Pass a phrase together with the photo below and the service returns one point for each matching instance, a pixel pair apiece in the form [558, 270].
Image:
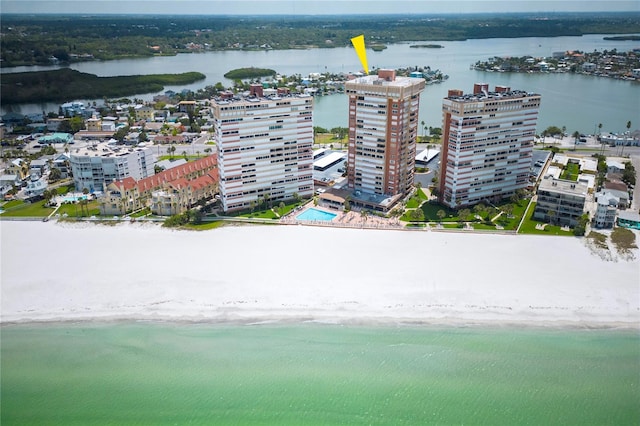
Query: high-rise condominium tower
[264, 147]
[383, 126]
[487, 144]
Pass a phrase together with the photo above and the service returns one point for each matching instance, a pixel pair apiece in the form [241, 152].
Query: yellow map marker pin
[358, 44]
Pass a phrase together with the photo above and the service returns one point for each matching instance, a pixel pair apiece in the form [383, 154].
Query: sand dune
[54, 271]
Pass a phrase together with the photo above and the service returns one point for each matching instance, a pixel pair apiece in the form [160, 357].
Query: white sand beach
[53, 272]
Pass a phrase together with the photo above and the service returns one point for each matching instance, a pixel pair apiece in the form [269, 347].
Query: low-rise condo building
[184, 186]
[560, 201]
[97, 164]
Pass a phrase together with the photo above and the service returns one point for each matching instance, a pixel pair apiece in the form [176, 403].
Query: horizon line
[554, 12]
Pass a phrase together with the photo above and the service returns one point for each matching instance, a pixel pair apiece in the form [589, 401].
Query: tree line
[36, 39]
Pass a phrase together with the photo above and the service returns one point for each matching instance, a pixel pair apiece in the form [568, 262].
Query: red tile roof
[176, 175]
[126, 184]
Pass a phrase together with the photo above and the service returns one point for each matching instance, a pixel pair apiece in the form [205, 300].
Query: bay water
[579, 102]
[312, 374]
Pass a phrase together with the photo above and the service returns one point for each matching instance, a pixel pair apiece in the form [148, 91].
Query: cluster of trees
[190, 216]
[65, 83]
[29, 40]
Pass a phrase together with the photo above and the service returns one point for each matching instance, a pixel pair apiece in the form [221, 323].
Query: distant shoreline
[138, 35]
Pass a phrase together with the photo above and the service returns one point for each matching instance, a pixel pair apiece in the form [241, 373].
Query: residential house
[38, 167]
[629, 219]
[18, 167]
[615, 167]
[36, 186]
[61, 162]
[621, 197]
[187, 106]
[606, 209]
[144, 112]
[94, 124]
[72, 109]
[7, 182]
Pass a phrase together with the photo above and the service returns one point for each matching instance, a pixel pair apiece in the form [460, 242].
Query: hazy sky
[310, 7]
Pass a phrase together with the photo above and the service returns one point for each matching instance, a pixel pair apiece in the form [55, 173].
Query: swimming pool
[73, 198]
[315, 214]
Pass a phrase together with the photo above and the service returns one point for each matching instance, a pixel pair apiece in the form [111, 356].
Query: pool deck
[350, 219]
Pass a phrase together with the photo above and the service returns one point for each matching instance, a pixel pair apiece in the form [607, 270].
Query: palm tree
[441, 214]
[575, 135]
[464, 214]
[552, 215]
[48, 195]
[628, 135]
[601, 143]
[423, 128]
[480, 209]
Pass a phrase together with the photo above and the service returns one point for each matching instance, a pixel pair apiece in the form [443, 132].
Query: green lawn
[288, 207]
[143, 212]
[12, 203]
[570, 172]
[76, 210]
[21, 209]
[417, 199]
[529, 226]
[413, 202]
[62, 190]
[511, 223]
[457, 225]
[483, 226]
[430, 210]
[262, 214]
[269, 213]
[203, 226]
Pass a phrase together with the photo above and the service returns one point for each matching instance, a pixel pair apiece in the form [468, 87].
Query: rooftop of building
[549, 183]
[500, 93]
[174, 175]
[629, 215]
[252, 100]
[378, 81]
[103, 149]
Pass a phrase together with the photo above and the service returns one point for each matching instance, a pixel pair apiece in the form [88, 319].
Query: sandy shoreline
[253, 274]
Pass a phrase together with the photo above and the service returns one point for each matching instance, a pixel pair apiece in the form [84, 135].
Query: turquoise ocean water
[311, 374]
